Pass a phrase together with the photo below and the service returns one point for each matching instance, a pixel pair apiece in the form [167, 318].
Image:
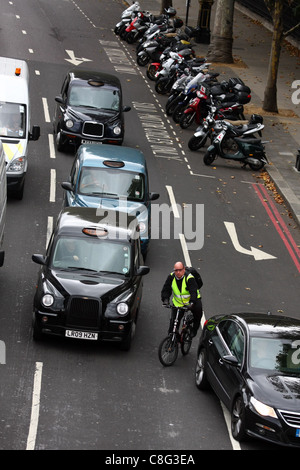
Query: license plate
[81, 334]
[83, 141]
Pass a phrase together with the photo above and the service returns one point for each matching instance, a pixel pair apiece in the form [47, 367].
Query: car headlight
[117, 130]
[262, 409]
[69, 123]
[48, 300]
[17, 164]
[122, 308]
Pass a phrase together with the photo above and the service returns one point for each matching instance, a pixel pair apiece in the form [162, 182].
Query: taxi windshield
[111, 183]
[12, 120]
[282, 355]
[91, 253]
[94, 97]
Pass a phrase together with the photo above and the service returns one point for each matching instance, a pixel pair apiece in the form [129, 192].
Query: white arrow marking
[75, 60]
[258, 254]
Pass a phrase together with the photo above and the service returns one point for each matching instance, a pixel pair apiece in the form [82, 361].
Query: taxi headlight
[69, 123]
[122, 308]
[142, 227]
[48, 300]
[17, 164]
[262, 409]
[117, 130]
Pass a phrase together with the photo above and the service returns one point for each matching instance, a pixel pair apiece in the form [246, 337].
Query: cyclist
[182, 285]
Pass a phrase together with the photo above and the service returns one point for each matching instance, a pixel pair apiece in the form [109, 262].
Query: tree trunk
[270, 96]
[220, 48]
[165, 4]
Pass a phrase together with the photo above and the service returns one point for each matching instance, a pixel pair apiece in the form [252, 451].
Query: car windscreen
[91, 253]
[105, 182]
[282, 355]
[12, 120]
[94, 97]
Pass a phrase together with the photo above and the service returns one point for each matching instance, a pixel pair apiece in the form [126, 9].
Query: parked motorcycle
[232, 144]
[127, 16]
[211, 126]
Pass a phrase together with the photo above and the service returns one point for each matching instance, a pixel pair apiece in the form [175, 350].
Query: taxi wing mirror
[35, 133]
[126, 108]
[39, 259]
[142, 270]
[59, 99]
[67, 186]
[153, 196]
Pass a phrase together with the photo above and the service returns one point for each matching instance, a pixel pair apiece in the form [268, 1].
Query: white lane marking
[51, 146]
[255, 252]
[52, 185]
[46, 109]
[173, 202]
[35, 406]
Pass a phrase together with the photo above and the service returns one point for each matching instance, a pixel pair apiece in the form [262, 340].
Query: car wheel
[37, 331]
[125, 344]
[59, 143]
[200, 371]
[238, 427]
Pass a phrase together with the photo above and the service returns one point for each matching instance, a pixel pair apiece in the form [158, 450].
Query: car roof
[267, 324]
[72, 220]
[85, 75]
[106, 156]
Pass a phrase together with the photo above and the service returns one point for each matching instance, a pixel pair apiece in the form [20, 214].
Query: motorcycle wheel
[186, 120]
[151, 71]
[130, 38]
[196, 143]
[256, 166]
[143, 59]
[171, 105]
[209, 158]
[161, 86]
[178, 111]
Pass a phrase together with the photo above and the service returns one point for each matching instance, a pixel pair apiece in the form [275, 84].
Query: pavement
[251, 50]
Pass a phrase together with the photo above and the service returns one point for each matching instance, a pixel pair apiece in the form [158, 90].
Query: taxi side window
[234, 338]
[65, 88]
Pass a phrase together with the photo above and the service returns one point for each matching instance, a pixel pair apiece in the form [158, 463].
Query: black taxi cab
[91, 277]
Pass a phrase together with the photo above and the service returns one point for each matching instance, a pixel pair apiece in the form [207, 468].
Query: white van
[2, 200]
[15, 121]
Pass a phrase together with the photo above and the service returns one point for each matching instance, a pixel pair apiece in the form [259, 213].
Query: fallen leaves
[271, 186]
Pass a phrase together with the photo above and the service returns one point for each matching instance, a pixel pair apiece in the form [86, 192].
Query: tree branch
[291, 30]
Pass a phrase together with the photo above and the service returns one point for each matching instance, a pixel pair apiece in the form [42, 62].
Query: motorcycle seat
[248, 140]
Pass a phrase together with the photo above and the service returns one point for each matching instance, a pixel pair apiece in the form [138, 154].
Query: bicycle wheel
[168, 351]
[186, 341]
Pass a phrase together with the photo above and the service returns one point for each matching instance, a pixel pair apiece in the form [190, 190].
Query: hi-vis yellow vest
[182, 298]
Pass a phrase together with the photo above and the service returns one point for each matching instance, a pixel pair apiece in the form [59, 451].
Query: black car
[89, 109]
[90, 283]
[252, 362]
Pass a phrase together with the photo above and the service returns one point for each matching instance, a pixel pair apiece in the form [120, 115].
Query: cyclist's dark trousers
[197, 312]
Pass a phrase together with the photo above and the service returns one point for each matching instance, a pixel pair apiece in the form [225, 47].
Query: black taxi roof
[118, 225]
[94, 75]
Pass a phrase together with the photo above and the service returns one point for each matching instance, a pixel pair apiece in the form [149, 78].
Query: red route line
[277, 220]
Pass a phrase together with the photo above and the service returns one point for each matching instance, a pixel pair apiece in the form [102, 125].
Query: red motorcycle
[198, 107]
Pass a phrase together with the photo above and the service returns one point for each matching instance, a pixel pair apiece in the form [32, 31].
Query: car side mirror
[59, 99]
[67, 186]
[39, 259]
[142, 270]
[2, 254]
[35, 133]
[126, 108]
[153, 196]
[231, 360]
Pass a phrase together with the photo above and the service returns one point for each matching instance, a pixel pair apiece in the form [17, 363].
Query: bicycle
[168, 348]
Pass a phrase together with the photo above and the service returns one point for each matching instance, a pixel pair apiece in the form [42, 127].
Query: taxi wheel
[126, 343]
[59, 144]
[37, 331]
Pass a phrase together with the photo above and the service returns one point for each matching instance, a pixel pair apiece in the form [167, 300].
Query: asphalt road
[70, 395]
